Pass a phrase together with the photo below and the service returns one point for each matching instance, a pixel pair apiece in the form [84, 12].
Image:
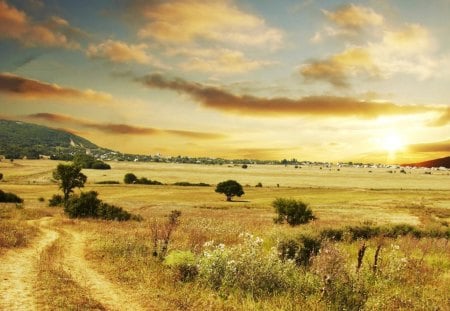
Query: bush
[8, 197]
[188, 184]
[1, 176]
[300, 250]
[244, 166]
[145, 181]
[56, 200]
[130, 178]
[100, 165]
[41, 199]
[108, 182]
[184, 262]
[246, 267]
[259, 185]
[87, 205]
[292, 211]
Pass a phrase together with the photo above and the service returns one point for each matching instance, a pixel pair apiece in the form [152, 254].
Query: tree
[69, 177]
[130, 178]
[292, 211]
[230, 188]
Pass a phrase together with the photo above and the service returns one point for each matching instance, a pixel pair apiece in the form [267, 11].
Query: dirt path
[101, 289]
[18, 270]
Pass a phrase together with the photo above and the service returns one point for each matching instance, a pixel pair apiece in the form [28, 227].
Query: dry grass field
[76, 264]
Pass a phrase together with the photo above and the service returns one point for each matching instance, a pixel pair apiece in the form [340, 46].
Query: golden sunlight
[392, 142]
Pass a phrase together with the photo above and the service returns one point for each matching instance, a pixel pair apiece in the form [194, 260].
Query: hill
[21, 139]
[441, 162]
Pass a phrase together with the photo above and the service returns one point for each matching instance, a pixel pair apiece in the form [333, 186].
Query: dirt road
[18, 272]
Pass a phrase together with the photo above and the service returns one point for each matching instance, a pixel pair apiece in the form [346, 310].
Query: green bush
[100, 165]
[8, 197]
[56, 200]
[299, 249]
[184, 263]
[108, 182]
[188, 184]
[88, 161]
[130, 178]
[292, 211]
[145, 181]
[248, 268]
[87, 205]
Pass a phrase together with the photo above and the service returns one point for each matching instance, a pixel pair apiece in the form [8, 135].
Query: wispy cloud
[120, 129]
[220, 61]
[223, 100]
[439, 146]
[185, 21]
[354, 17]
[33, 89]
[121, 52]
[17, 25]
[338, 68]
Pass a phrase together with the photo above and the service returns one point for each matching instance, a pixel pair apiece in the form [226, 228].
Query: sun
[392, 142]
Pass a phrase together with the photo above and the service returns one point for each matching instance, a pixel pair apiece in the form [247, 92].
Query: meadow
[392, 252]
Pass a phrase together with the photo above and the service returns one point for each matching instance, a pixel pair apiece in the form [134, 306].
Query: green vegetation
[87, 205]
[188, 184]
[230, 188]
[130, 178]
[20, 139]
[8, 197]
[294, 212]
[56, 200]
[69, 177]
[108, 182]
[89, 162]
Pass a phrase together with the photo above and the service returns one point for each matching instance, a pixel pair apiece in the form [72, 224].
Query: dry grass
[122, 251]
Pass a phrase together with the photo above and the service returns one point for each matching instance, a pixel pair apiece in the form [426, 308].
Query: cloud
[440, 146]
[355, 18]
[219, 99]
[339, 67]
[120, 129]
[184, 21]
[33, 89]
[221, 61]
[120, 52]
[443, 119]
[17, 25]
[404, 50]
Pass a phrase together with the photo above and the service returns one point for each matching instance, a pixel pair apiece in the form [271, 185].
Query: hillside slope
[19, 139]
[441, 162]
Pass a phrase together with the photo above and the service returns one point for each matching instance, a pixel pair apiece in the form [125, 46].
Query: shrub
[300, 250]
[184, 263]
[145, 181]
[259, 185]
[364, 232]
[188, 184]
[100, 165]
[244, 166]
[108, 182]
[87, 205]
[332, 234]
[246, 267]
[41, 199]
[130, 178]
[56, 200]
[8, 197]
[292, 211]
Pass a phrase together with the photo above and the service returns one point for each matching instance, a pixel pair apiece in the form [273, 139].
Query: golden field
[124, 276]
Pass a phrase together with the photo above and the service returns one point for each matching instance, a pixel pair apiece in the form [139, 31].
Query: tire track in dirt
[18, 270]
[108, 294]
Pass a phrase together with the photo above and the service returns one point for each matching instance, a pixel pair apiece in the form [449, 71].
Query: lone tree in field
[292, 211]
[69, 177]
[130, 178]
[230, 188]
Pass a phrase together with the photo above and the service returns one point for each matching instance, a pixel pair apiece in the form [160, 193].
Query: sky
[313, 80]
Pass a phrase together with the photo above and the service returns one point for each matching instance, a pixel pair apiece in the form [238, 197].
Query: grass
[412, 273]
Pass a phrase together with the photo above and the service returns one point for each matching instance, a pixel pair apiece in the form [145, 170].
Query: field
[398, 221]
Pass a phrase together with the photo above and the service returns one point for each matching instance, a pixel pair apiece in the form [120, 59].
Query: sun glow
[392, 142]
